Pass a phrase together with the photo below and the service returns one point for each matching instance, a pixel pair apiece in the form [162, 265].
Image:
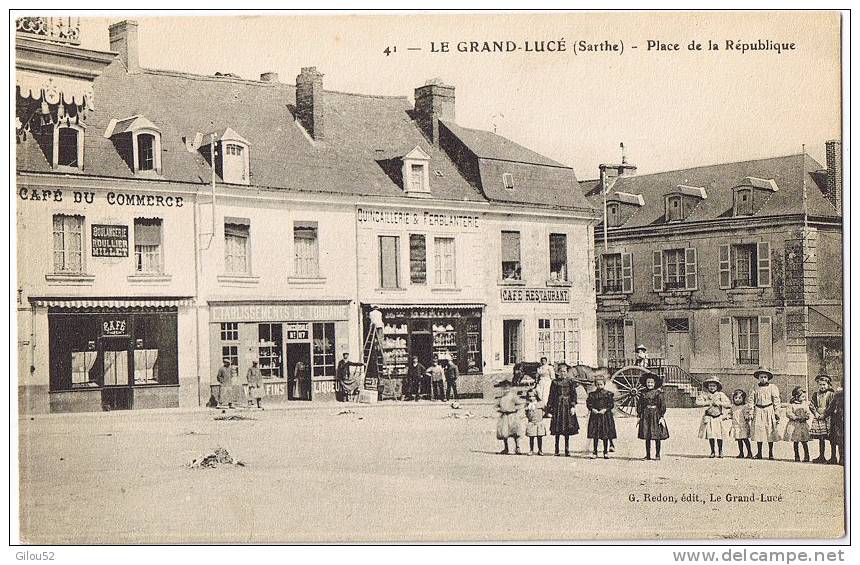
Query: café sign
[541, 295]
[109, 241]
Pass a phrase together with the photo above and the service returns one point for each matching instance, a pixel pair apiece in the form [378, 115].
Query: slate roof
[364, 136]
[788, 172]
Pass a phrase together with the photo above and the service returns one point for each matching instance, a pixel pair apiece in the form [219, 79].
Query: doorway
[299, 371]
[678, 342]
[422, 345]
[116, 391]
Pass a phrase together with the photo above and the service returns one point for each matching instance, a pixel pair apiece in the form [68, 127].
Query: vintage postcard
[428, 277]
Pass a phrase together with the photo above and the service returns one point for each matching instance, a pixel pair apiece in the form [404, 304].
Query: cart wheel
[626, 380]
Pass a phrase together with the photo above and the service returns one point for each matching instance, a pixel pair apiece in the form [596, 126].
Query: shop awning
[65, 302]
[53, 89]
[434, 306]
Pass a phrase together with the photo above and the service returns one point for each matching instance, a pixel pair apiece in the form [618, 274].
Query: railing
[63, 30]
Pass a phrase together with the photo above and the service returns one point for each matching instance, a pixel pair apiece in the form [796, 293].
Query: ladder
[371, 345]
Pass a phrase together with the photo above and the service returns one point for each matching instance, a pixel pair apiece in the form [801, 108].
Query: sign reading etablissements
[547, 295]
[110, 241]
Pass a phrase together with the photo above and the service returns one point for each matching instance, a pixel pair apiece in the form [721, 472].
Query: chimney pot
[269, 77]
[123, 41]
[309, 101]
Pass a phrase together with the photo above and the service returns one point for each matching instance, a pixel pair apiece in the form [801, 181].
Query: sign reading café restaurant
[546, 295]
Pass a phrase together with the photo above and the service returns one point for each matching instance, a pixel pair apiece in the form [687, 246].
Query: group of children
[745, 418]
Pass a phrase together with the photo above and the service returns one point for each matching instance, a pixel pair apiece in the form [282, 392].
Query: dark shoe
[770, 457]
[606, 456]
[806, 458]
[739, 456]
[819, 459]
[657, 458]
[566, 453]
[593, 455]
[797, 458]
[540, 452]
[757, 456]
[647, 458]
[504, 452]
[712, 455]
[832, 461]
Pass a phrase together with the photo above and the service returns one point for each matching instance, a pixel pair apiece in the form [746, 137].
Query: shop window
[82, 369]
[68, 243]
[558, 340]
[145, 366]
[389, 261]
[147, 245]
[68, 146]
[230, 331]
[544, 338]
[155, 349]
[745, 265]
[444, 260]
[324, 357]
[306, 241]
[615, 342]
[473, 345]
[511, 266]
[511, 337]
[748, 342]
[231, 353]
[236, 247]
[558, 256]
[417, 258]
[269, 350]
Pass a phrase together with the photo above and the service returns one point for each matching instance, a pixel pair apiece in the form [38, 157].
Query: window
[615, 342]
[674, 269]
[236, 247]
[147, 245]
[743, 203]
[613, 215]
[558, 256]
[511, 337]
[612, 273]
[511, 268]
[674, 208]
[234, 163]
[230, 351]
[270, 338]
[389, 260]
[677, 324]
[145, 366]
[145, 152]
[508, 181]
[323, 361]
[748, 343]
[416, 178]
[306, 245]
[115, 366]
[558, 339]
[82, 368]
[230, 331]
[68, 146]
[473, 345]
[417, 258]
[744, 266]
[68, 244]
[444, 260]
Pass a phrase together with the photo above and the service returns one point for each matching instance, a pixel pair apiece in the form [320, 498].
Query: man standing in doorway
[437, 379]
[451, 374]
[414, 375]
[225, 379]
[348, 383]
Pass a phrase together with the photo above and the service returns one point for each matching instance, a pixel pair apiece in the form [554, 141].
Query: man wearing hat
[225, 379]
[764, 401]
[641, 356]
[820, 427]
[255, 384]
[716, 423]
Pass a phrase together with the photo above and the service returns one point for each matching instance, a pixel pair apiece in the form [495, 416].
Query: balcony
[61, 30]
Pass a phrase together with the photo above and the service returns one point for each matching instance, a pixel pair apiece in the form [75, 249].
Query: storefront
[104, 355]
[446, 331]
[297, 344]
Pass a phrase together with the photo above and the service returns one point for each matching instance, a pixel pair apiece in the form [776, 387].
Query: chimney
[433, 102]
[834, 173]
[309, 101]
[269, 77]
[123, 40]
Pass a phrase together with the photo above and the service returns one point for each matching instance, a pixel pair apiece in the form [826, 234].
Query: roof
[488, 145]
[365, 138]
[789, 173]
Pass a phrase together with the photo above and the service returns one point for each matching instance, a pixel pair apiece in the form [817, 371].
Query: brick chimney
[433, 102]
[309, 101]
[123, 40]
[834, 173]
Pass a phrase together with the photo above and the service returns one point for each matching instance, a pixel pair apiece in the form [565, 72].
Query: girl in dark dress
[651, 408]
[601, 423]
[561, 407]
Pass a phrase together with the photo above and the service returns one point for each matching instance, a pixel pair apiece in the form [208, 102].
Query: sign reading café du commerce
[544, 295]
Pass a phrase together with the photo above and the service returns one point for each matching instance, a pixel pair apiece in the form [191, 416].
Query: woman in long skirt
[561, 407]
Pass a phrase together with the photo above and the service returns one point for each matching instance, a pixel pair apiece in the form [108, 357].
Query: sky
[671, 109]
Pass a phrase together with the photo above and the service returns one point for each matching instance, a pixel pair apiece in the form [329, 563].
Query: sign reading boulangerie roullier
[110, 241]
[535, 295]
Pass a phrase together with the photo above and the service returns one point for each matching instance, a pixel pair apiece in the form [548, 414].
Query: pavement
[396, 472]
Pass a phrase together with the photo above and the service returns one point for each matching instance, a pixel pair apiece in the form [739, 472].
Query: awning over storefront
[471, 306]
[66, 302]
[55, 88]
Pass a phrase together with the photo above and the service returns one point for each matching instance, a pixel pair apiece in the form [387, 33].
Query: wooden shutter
[763, 263]
[597, 274]
[626, 272]
[657, 270]
[725, 266]
[691, 270]
[727, 350]
[765, 341]
[629, 339]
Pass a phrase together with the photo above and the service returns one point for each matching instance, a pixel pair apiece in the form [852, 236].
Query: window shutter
[727, 350]
[725, 267]
[597, 274]
[627, 272]
[691, 271]
[763, 263]
[765, 341]
[657, 270]
[629, 339]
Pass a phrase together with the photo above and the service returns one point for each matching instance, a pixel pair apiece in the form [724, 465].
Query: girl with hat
[651, 409]
[741, 416]
[561, 407]
[716, 423]
[510, 424]
[820, 426]
[601, 423]
[764, 401]
[797, 428]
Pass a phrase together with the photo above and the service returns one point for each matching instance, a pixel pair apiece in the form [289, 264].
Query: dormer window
[674, 208]
[138, 141]
[416, 173]
[613, 218]
[681, 202]
[231, 153]
[751, 194]
[68, 146]
[744, 203]
[508, 181]
[233, 167]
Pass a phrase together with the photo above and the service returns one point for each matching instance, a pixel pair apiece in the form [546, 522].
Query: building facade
[721, 269]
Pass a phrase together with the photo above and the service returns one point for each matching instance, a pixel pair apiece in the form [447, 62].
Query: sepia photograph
[427, 277]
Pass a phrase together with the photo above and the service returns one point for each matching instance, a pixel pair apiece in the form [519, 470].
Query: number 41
[389, 50]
